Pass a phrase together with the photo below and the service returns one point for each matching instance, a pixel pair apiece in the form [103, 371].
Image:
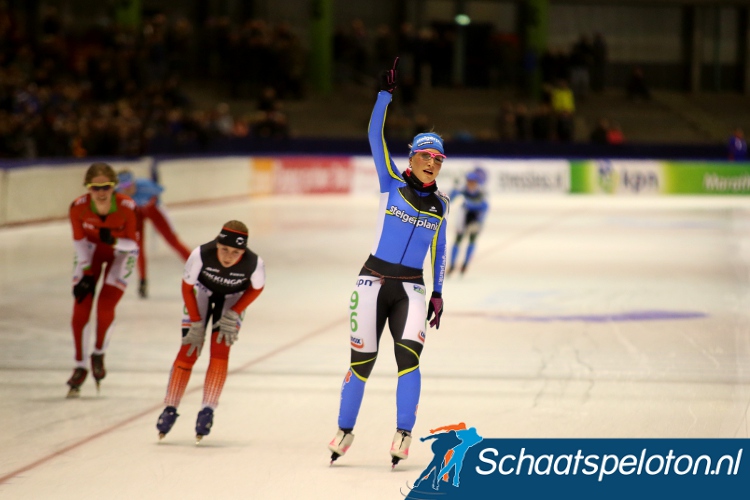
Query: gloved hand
[195, 336]
[105, 234]
[389, 78]
[84, 287]
[229, 330]
[436, 307]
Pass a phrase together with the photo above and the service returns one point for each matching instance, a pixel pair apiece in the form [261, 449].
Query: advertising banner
[707, 178]
[620, 177]
[623, 177]
[509, 176]
[467, 465]
[312, 175]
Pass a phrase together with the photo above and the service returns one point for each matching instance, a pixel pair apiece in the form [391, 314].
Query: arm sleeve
[483, 210]
[84, 251]
[191, 304]
[193, 267]
[438, 247]
[128, 241]
[257, 282]
[190, 275]
[384, 165]
[76, 223]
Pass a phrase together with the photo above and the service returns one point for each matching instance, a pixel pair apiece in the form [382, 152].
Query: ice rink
[580, 317]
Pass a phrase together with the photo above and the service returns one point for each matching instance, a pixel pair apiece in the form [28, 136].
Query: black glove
[436, 307]
[84, 287]
[105, 234]
[388, 78]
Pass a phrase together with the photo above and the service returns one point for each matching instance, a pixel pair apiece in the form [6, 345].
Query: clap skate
[97, 368]
[143, 289]
[340, 443]
[166, 421]
[75, 382]
[400, 446]
[203, 424]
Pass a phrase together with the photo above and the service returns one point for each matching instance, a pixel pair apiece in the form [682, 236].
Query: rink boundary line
[127, 421]
[177, 204]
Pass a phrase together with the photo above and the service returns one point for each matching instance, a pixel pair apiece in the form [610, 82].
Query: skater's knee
[183, 359]
[219, 350]
[362, 363]
[407, 355]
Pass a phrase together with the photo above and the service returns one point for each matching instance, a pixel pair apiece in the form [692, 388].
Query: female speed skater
[470, 216]
[390, 286]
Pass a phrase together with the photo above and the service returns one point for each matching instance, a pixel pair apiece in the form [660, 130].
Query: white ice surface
[514, 357]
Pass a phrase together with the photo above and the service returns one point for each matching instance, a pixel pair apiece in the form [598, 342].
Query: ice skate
[143, 289]
[203, 424]
[400, 446]
[166, 421]
[97, 368]
[340, 443]
[75, 382]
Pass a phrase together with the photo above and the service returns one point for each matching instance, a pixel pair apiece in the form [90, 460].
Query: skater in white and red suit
[221, 278]
[104, 236]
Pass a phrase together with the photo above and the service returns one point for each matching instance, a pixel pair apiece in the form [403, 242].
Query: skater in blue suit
[470, 216]
[390, 286]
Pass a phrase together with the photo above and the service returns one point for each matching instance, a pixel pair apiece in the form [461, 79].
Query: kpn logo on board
[628, 177]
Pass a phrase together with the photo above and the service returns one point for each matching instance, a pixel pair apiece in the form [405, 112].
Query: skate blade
[98, 388]
[161, 436]
[198, 438]
[73, 393]
[394, 462]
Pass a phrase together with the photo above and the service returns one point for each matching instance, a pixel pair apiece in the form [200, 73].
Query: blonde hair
[236, 225]
[97, 169]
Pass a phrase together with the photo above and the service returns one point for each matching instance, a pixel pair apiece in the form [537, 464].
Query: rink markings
[523, 234]
[150, 411]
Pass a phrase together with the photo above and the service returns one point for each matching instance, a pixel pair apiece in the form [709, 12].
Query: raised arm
[387, 171]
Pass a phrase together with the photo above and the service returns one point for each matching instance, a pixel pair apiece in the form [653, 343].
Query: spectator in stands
[271, 125]
[542, 124]
[614, 134]
[506, 122]
[523, 123]
[581, 62]
[562, 98]
[637, 87]
[599, 62]
[565, 127]
[737, 146]
[599, 134]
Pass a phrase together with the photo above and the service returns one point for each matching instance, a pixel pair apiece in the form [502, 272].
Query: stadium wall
[33, 192]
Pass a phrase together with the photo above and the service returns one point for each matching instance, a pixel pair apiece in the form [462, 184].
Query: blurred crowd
[112, 91]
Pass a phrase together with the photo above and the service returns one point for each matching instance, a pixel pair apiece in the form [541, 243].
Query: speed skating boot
[400, 446]
[97, 368]
[340, 443]
[75, 382]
